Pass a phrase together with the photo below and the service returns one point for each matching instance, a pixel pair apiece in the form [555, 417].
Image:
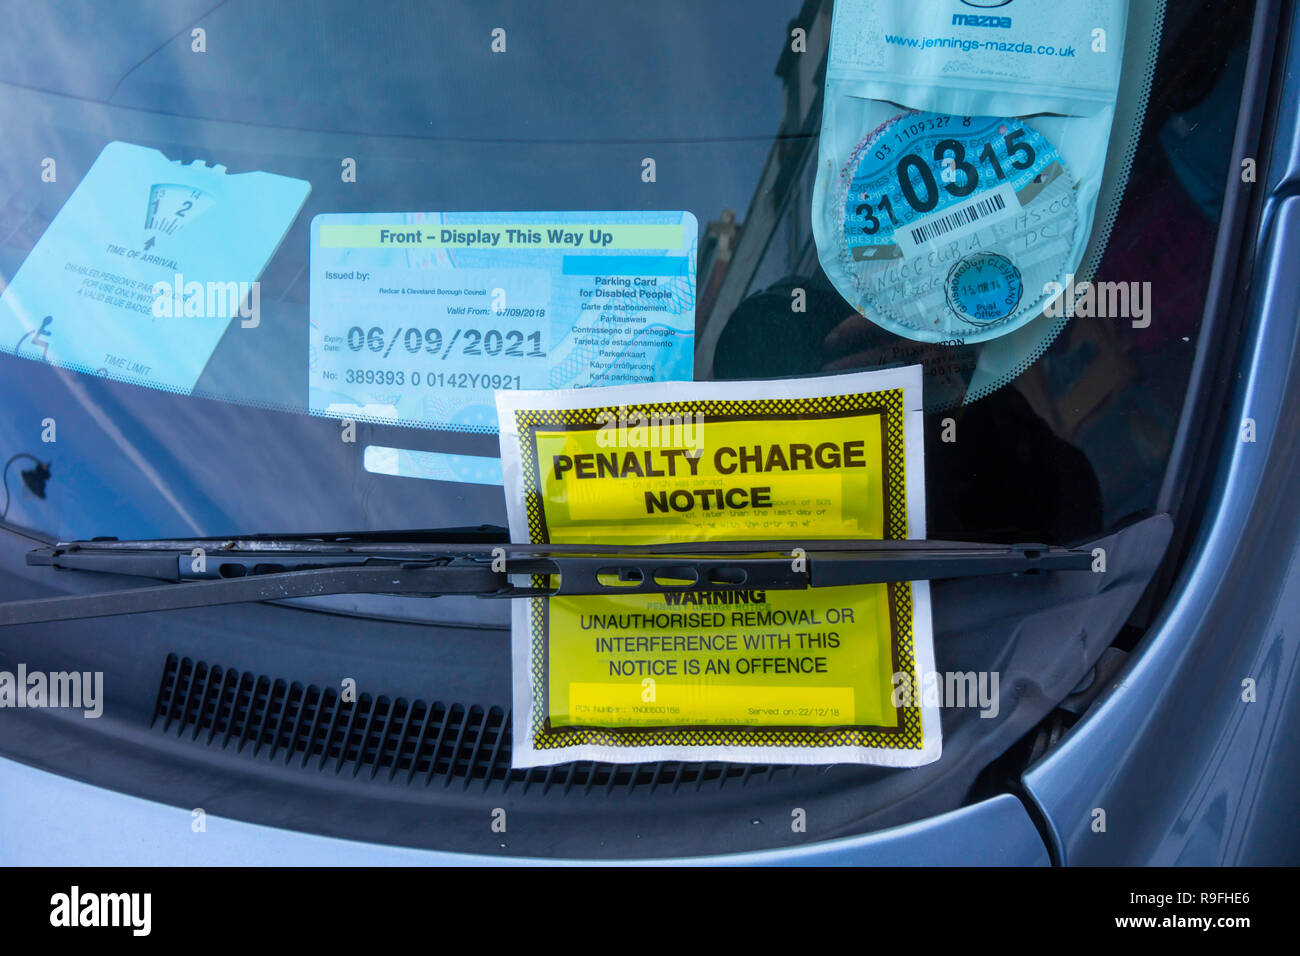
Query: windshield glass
[287, 405]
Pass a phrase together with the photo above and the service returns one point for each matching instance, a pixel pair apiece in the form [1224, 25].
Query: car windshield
[706, 117]
[268, 269]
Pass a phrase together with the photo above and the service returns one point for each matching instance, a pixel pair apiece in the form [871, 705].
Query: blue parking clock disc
[954, 227]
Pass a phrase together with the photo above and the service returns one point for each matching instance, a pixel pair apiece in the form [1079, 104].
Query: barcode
[955, 220]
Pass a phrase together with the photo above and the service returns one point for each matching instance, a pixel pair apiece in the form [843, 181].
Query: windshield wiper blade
[206, 572]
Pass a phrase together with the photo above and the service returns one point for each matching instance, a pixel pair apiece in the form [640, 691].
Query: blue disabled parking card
[418, 318]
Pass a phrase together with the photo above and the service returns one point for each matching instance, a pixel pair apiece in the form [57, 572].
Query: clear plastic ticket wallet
[961, 157]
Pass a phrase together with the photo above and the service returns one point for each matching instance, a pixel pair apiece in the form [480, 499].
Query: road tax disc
[954, 227]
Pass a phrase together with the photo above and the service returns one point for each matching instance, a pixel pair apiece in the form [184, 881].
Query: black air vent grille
[389, 739]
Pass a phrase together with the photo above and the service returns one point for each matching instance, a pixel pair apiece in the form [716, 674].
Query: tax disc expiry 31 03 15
[954, 227]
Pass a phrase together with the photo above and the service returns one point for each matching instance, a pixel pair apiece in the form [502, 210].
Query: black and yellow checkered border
[888, 404]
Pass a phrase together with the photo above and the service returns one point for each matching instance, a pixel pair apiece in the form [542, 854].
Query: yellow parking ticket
[802, 676]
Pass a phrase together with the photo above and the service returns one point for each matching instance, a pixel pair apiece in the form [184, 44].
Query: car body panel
[47, 819]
